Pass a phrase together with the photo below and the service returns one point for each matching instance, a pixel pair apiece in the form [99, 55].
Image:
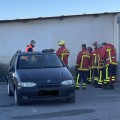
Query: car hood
[53, 75]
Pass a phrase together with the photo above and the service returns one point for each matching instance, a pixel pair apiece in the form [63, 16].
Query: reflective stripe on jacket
[63, 53]
[95, 59]
[109, 54]
[101, 63]
[83, 60]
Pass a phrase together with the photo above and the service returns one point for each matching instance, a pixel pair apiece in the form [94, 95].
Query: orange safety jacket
[63, 53]
[28, 47]
[109, 54]
[83, 60]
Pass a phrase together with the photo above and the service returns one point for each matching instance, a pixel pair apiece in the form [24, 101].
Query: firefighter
[109, 55]
[63, 53]
[30, 47]
[101, 67]
[89, 80]
[82, 66]
[95, 64]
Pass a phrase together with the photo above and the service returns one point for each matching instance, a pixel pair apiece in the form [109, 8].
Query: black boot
[111, 86]
[77, 88]
[105, 86]
[83, 88]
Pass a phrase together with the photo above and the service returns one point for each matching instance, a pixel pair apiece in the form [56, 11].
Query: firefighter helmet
[99, 45]
[104, 43]
[95, 44]
[61, 43]
[90, 48]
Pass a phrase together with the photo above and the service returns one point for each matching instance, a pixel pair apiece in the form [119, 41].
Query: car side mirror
[11, 69]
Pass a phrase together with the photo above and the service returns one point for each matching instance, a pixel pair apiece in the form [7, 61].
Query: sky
[18, 9]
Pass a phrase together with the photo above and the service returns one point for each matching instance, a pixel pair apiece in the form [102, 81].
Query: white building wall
[47, 32]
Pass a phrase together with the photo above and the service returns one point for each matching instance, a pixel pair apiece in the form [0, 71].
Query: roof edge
[60, 17]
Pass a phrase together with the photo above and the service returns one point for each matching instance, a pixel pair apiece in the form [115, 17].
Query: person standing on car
[82, 66]
[63, 53]
[30, 47]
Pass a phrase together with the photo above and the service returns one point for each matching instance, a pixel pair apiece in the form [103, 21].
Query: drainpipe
[116, 35]
[117, 43]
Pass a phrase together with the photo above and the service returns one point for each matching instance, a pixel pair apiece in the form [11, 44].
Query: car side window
[15, 61]
[12, 62]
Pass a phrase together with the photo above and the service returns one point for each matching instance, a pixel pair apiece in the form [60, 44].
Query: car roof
[45, 51]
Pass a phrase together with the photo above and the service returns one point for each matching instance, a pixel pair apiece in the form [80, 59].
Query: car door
[12, 72]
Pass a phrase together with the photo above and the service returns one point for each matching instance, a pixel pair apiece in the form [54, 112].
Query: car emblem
[48, 81]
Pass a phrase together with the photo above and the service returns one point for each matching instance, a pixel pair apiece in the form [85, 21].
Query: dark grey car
[39, 76]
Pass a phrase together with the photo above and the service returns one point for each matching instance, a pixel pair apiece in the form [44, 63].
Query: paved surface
[91, 104]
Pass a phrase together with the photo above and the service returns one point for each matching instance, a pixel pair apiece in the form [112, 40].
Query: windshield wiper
[52, 66]
[57, 66]
[40, 67]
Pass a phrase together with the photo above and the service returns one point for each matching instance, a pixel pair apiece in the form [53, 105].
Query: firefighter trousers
[101, 76]
[95, 74]
[110, 74]
[89, 76]
[81, 76]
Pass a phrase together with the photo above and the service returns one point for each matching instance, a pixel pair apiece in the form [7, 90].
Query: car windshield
[33, 61]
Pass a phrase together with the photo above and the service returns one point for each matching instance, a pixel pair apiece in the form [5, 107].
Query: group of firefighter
[97, 66]
[93, 66]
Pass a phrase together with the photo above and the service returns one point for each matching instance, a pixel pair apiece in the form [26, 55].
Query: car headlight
[68, 82]
[26, 84]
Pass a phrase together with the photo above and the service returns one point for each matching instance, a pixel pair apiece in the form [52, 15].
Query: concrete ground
[91, 104]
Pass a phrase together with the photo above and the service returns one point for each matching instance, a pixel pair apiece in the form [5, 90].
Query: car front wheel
[10, 93]
[17, 101]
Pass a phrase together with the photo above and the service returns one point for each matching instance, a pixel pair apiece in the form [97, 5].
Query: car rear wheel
[71, 99]
[17, 101]
[10, 93]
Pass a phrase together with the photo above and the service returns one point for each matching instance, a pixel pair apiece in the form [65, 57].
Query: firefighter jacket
[63, 53]
[108, 54]
[91, 56]
[95, 58]
[101, 62]
[83, 60]
[29, 48]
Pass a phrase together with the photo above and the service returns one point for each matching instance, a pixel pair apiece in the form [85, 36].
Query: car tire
[17, 101]
[71, 99]
[10, 93]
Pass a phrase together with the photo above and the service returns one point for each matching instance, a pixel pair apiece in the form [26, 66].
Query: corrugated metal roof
[60, 17]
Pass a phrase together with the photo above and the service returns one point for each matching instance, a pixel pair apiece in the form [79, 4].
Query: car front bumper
[62, 92]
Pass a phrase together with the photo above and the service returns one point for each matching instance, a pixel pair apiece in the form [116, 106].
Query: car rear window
[32, 61]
